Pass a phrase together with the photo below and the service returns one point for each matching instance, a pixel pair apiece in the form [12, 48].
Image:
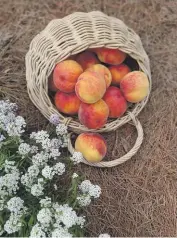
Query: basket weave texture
[69, 36]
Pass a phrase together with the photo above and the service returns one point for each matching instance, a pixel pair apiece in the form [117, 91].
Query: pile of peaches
[96, 85]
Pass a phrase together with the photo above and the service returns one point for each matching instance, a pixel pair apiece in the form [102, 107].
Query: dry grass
[139, 197]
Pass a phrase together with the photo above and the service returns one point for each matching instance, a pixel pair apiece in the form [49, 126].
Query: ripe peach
[87, 59]
[92, 146]
[115, 101]
[90, 87]
[118, 72]
[67, 103]
[94, 115]
[135, 86]
[52, 86]
[65, 75]
[103, 70]
[110, 56]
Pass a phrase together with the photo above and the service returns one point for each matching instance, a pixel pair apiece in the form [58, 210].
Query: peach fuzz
[67, 103]
[103, 70]
[93, 116]
[135, 86]
[90, 87]
[87, 59]
[65, 75]
[118, 72]
[92, 146]
[115, 101]
[110, 56]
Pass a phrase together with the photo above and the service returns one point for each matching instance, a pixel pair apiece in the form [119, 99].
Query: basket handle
[124, 158]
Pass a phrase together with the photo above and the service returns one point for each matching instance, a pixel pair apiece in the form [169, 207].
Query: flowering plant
[32, 203]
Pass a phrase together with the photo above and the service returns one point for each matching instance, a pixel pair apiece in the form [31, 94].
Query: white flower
[9, 166]
[66, 215]
[16, 127]
[77, 157]
[59, 168]
[54, 153]
[37, 232]
[46, 202]
[44, 216]
[2, 205]
[30, 177]
[75, 175]
[55, 143]
[24, 149]
[61, 129]
[61, 232]
[15, 204]
[37, 189]
[85, 186]
[13, 224]
[84, 200]
[39, 136]
[54, 119]
[94, 191]
[34, 149]
[9, 184]
[104, 236]
[47, 172]
[40, 159]
[6, 106]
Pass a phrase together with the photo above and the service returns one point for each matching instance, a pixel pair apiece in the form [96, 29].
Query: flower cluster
[60, 217]
[77, 157]
[88, 191]
[11, 124]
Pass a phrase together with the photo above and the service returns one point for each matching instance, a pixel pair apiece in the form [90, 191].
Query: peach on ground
[65, 75]
[93, 116]
[90, 87]
[115, 101]
[135, 86]
[67, 103]
[118, 72]
[110, 56]
[92, 145]
[52, 86]
[87, 59]
[103, 70]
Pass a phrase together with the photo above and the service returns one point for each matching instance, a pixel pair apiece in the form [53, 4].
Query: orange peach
[118, 72]
[92, 146]
[95, 115]
[115, 101]
[135, 86]
[52, 86]
[65, 75]
[67, 103]
[110, 56]
[87, 59]
[90, 87]
[103, 70]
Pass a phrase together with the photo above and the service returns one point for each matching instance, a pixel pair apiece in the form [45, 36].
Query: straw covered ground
[139, 198]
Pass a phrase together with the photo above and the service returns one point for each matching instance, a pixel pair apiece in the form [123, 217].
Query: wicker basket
[69, 36]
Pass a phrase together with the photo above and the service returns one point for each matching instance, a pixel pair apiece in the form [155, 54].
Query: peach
[90, 87]
[87, 59]
[65, 75]
[115, 101]
[99, 68]
[92, 146]
[135, 86]
[110, 56]
[95, 115]
[118, 72]
[67, 103]
[52, 86]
